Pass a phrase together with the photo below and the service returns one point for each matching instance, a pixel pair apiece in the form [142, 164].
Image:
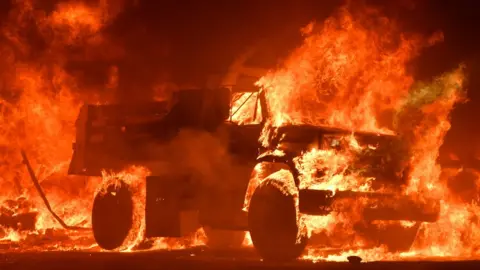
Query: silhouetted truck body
[179, 198]
[258, 189]
[260, 192]
[112, 136]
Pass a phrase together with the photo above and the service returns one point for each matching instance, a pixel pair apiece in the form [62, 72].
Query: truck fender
[273, 156]
[261, 171]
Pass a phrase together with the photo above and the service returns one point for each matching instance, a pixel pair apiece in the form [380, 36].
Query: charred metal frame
[383, 206]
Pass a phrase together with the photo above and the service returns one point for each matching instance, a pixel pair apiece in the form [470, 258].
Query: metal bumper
[374, 206]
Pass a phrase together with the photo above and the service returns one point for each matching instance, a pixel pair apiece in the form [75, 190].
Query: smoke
[203, 155]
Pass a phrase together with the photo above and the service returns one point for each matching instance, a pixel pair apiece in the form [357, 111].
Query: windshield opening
[245, 108]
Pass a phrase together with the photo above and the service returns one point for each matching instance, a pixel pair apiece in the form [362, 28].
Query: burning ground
[350, 72]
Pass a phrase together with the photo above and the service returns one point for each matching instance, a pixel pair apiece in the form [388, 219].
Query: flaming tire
[273, 221]
[112, 215]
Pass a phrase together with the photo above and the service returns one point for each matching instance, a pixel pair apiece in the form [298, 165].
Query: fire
[350, 72]
[431, 129]
[76, 18]
[346, 73]
[134, 177]
[39, 104]
[334, 165]
[242, 107]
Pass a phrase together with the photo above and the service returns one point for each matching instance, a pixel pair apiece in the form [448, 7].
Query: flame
[245, 108]
[334, 165]
[134, 178]
[350, 72]
[39, 104]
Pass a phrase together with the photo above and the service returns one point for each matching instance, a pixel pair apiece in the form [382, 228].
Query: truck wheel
[273, 223]
[112, 215]
[224, 239]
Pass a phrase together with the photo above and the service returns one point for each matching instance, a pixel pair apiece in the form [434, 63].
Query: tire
[224, 239]
[112, 216]
[273, 222]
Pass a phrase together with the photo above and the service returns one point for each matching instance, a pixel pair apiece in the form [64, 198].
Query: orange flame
[39, 105]
[350, 72]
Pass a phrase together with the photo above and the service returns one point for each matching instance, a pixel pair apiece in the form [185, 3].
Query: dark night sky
[212, 32]
[189, 39]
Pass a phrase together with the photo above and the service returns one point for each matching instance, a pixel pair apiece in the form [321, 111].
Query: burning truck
[285, 175]
[306, 155]
[275, 179]
[272, 197]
